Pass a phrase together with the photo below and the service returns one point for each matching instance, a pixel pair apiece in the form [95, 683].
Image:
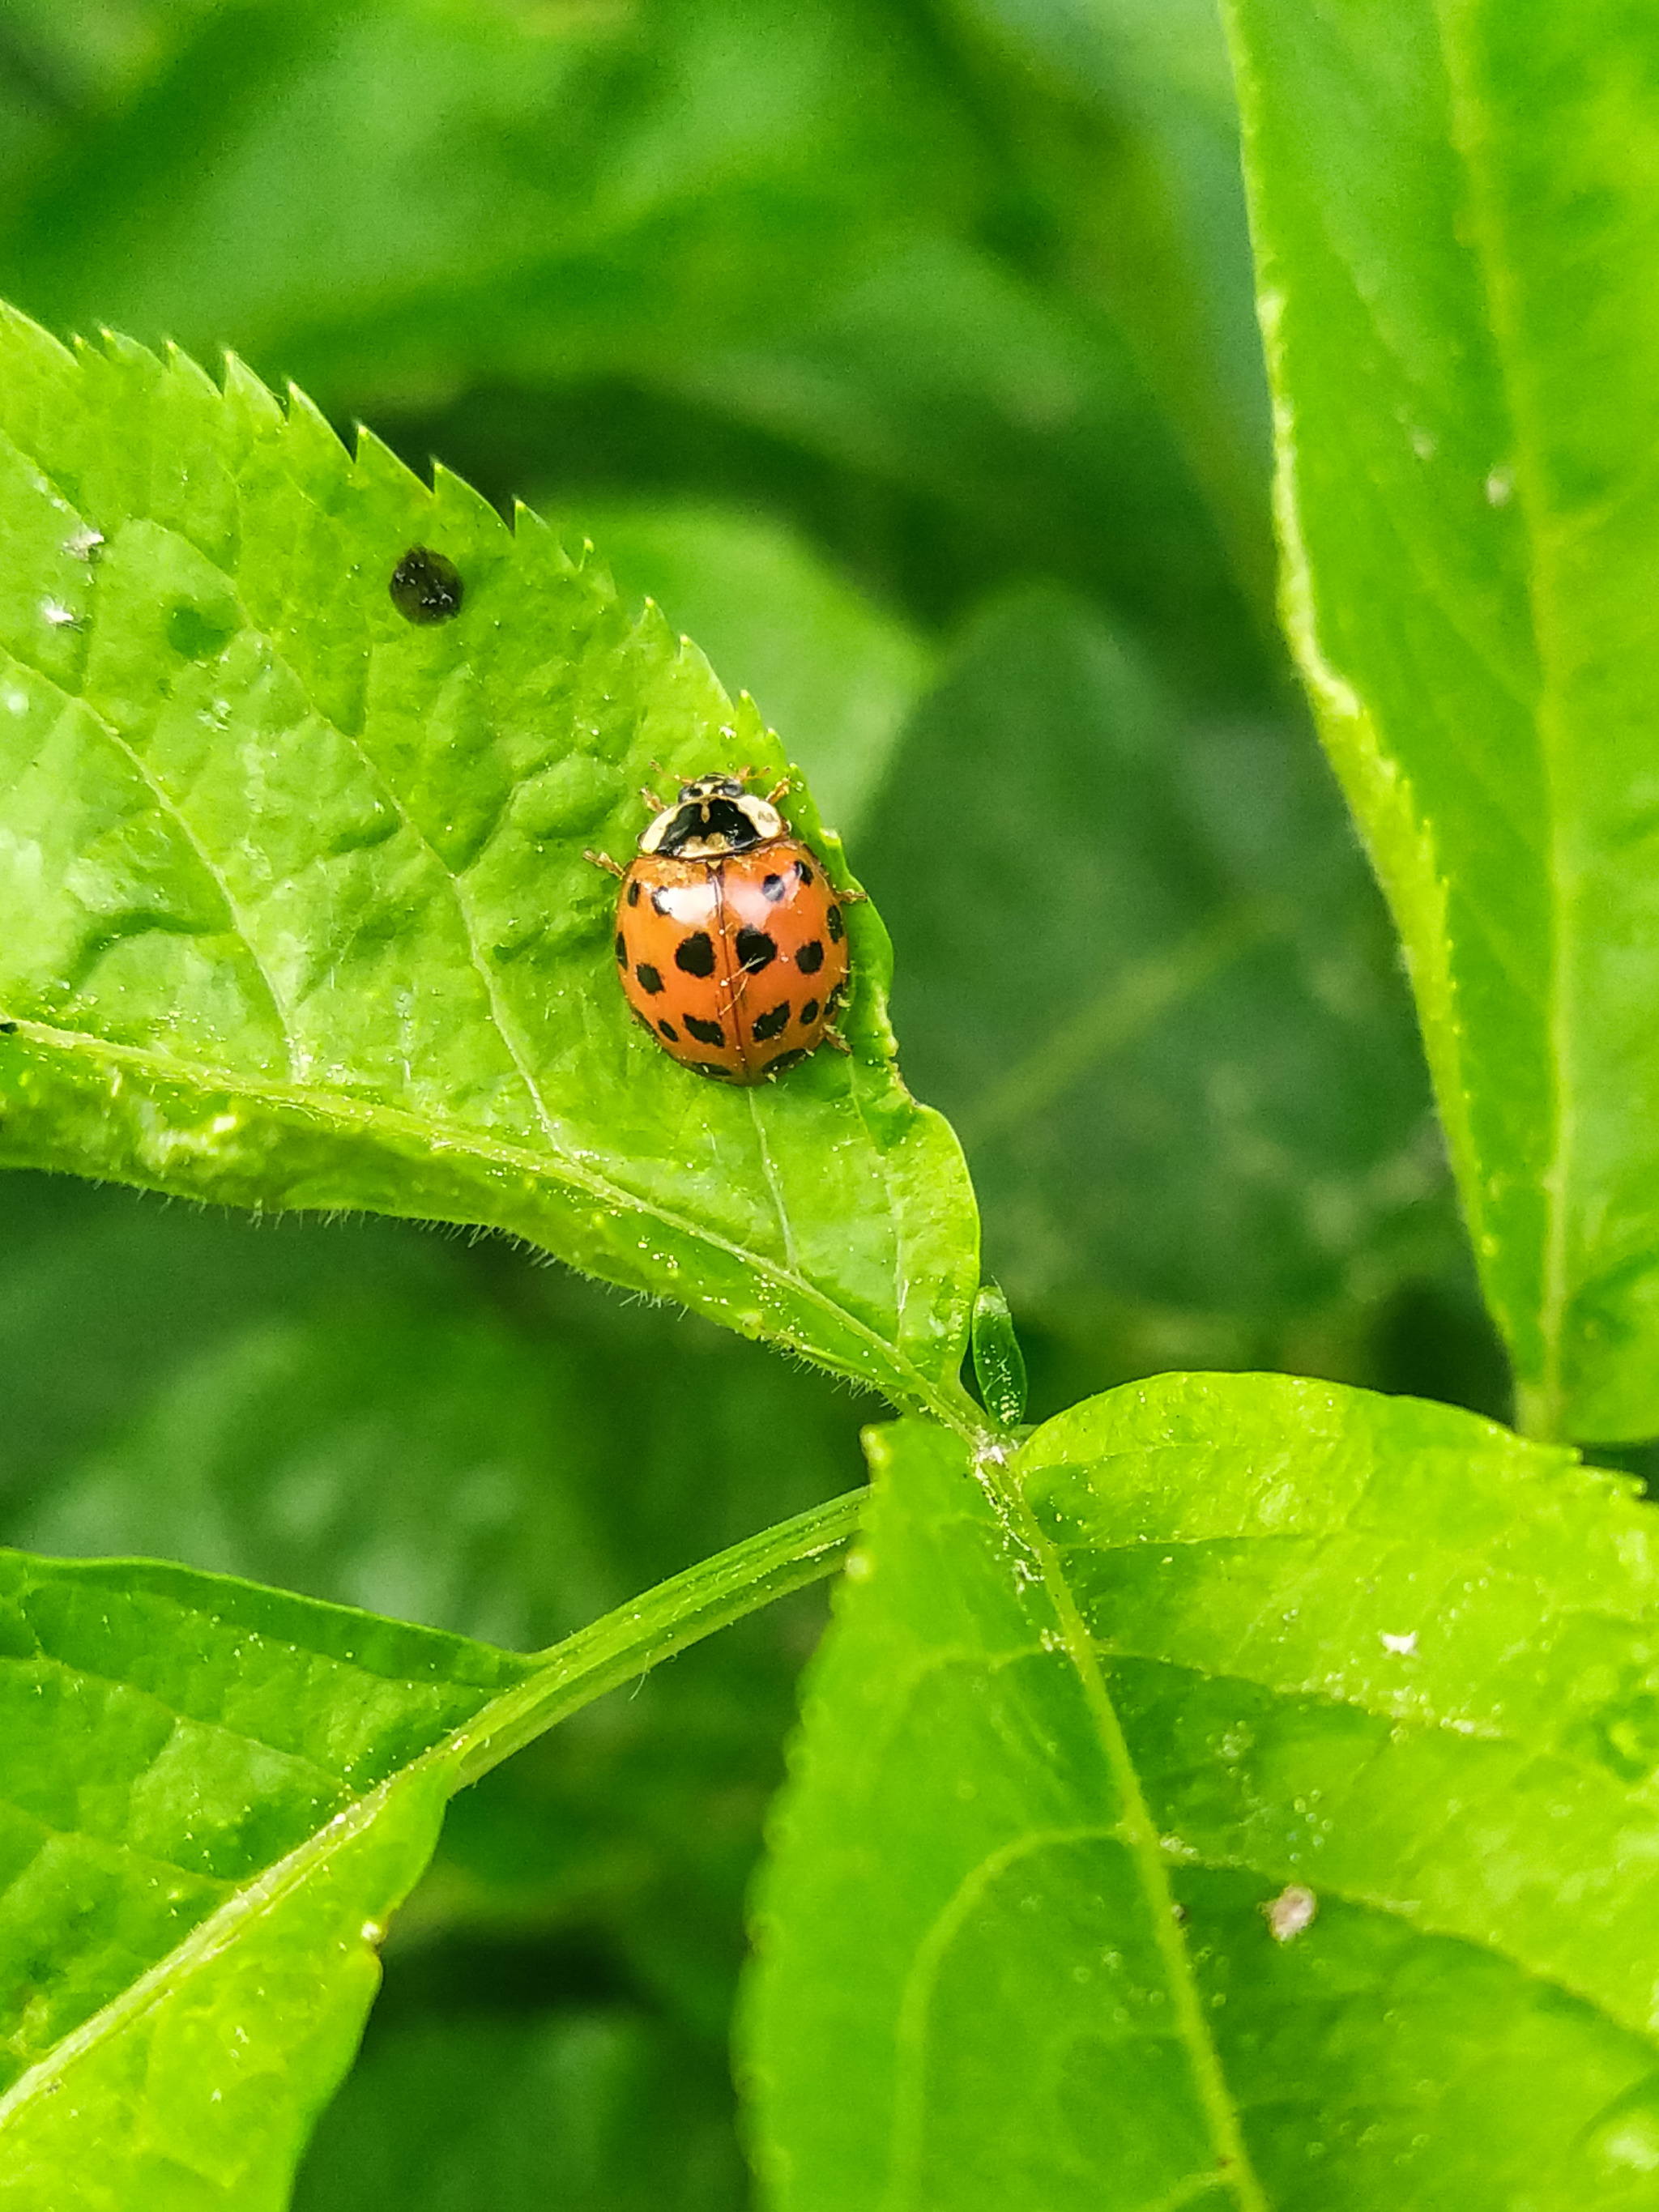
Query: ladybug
[730, 942]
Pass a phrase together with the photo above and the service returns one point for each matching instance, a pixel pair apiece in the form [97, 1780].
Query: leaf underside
[1087, 1729]
[293, 905]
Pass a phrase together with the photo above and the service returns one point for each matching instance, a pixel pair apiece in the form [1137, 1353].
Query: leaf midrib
[247, 1903]
[324, 1105]
[1140, 1838]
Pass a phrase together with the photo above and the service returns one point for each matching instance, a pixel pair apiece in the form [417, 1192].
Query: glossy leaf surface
[215, 1793]
[215, 1796]
[1182, 1804]
[1457, 247]
[293, 904]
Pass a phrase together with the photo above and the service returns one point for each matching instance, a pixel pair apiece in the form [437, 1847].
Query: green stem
[666, 1619]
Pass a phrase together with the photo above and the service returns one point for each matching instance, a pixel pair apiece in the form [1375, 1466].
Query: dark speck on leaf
[425, 586]
[8, 1028]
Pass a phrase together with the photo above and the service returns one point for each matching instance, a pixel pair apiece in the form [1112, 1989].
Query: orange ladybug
[730, 941]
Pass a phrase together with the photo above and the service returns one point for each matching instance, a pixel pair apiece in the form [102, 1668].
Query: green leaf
[1181, 1803]
[293, 904]
[213, 1796]
[1457, 251]
[839, 674]
[305, 1405]
[1148, 979]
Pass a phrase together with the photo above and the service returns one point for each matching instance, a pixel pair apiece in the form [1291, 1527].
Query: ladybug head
[712, 786]
[712, 818]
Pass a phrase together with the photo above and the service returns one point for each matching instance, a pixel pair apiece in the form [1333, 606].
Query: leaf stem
[668, 1618]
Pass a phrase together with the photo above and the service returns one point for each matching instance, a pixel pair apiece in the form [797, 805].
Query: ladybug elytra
[729, 940]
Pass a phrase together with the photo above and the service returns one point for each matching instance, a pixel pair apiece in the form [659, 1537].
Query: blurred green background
[905, 354]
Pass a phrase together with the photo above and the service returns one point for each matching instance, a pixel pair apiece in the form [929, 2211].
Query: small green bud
[998, 1363]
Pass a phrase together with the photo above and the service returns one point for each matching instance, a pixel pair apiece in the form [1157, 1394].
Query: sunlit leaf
[211, 1797]
[215, 1796]
[1457, 246]
[294, 909]
[1245, 1796]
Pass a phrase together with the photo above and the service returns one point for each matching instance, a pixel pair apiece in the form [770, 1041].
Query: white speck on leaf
[85, 542]
[54, 612]
[1500, 487]
[1403, 1646]
[1289, 1912]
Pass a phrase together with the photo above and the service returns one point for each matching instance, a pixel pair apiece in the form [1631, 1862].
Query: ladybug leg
[776, 792]
[651, 799]
[854, 897]
[837, 1041]
[604, 860]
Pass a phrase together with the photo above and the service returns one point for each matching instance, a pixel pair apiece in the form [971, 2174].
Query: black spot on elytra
[808, 1014]
[771, 1025]
[708, 1067]
[705, 1032]
[649, 979]
[804, 874]
[669, 1031]
[695, 955]
[784, 1059]
[837, 998]
[810, 958]
[632, 894]
[755, 949]
[772, 889]
[622, 948]
[835, 926]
